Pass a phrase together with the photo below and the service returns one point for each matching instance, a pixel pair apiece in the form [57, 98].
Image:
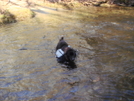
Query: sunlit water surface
[105, 64]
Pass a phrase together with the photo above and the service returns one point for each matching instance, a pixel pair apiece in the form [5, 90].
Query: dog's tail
[62, 38]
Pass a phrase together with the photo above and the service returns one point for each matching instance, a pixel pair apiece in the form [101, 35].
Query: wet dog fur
[69, 55]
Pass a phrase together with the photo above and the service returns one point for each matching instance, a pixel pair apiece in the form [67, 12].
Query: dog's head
[70, 55]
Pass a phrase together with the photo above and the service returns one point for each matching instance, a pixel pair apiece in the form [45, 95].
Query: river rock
[105, 5]
[96, 3]
[101, 1]
[131, 3]
[108, 5]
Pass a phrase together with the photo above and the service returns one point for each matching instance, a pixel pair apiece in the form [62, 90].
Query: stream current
[104, 38]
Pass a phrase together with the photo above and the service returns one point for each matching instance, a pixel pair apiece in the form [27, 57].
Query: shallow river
[105, 64]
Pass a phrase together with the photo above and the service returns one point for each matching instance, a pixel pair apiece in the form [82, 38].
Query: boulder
[108, 5]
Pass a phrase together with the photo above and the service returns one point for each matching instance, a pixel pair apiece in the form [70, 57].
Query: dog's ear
[62, 38]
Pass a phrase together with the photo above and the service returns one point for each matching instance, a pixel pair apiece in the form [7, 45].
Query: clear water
[105, 65]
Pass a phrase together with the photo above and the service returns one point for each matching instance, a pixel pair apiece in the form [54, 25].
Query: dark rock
[23, 48]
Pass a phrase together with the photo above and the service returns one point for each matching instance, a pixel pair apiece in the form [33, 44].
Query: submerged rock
[23, 48]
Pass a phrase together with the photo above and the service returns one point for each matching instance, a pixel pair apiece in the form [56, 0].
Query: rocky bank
[15, 10]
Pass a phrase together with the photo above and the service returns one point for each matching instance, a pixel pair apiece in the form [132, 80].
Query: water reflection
[70, 65]
[103, 71]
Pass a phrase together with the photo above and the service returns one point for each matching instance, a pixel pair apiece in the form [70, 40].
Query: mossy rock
[21, 13]
[2, 16]
[7, 17]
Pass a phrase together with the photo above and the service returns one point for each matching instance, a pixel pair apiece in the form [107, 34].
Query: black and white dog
[64, 53]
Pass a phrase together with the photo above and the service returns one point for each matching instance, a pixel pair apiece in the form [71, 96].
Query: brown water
[105, 65]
